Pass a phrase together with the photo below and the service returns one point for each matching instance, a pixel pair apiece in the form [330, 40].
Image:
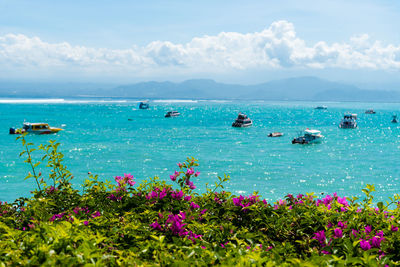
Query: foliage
[155, 223]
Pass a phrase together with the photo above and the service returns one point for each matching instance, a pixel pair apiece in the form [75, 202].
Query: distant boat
[275, 134]
[321, 107]
[242, 121]
[172, 114]
[394, 119]
[349, 121]
[370, 111]
[308, 137]
[35, 128]
[144, 105]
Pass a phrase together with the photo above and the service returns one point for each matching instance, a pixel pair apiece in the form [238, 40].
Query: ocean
[113, 137]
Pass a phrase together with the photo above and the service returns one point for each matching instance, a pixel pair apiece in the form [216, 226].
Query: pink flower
[338, 233]
[342, 225]
[365, 245]
[177, 195]
[96, 214]
[190, 184]
[128, 178]
[156, 226]
[189, 172]
[196, 174]
[163, 193]
[86, 223]
[394, 228]
[173, 178]
[368, 229]
[194, 205]
[320, 237]
[376, 241]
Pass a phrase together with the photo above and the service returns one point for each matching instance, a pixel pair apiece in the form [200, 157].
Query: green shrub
[153, 223]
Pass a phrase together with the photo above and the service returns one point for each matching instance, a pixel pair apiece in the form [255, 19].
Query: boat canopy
[350, 116]
[312, 132]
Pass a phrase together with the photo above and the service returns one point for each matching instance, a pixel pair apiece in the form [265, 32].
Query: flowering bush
[155, 223]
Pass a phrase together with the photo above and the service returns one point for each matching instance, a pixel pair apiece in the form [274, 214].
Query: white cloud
[276, 47]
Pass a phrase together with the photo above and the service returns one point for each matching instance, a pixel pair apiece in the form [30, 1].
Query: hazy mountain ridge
[300, 88]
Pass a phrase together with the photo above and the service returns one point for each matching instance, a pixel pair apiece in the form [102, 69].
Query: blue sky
[176, 40]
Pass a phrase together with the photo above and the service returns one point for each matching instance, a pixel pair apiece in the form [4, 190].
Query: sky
[227, 40]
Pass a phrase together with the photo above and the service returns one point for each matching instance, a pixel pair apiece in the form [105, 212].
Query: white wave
[31, 101]
[175, 101]
[55, 101]
[216, 101]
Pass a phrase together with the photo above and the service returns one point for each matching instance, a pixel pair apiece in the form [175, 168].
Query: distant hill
[300, 88]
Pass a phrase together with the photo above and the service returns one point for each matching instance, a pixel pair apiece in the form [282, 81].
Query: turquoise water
[99, 138]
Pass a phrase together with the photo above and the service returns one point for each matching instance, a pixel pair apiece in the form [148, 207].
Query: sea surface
[113, 137]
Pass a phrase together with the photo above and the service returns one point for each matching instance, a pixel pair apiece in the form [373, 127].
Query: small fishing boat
[172, 114]
[242, 121]
[275, 134]
[349, 121]
[321, 107]
[308, 137]
[144, 105]
[394, 119]
[370, 111]
[35, 128]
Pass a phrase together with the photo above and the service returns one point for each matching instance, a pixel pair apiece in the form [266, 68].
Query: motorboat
[349, 121]
[35, 128]
[308, 137]
[275, 134]
[144, 105]
[394, 119]
[172, 114]
[242, 121]
[370, 111]
[321, 107]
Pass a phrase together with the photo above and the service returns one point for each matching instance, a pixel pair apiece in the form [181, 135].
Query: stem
[33, 168]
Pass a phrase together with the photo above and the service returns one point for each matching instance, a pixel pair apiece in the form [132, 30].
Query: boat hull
[348, 126]
[241, 125]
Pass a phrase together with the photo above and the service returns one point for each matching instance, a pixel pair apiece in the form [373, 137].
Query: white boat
[242, 121]
[394, 119]
[308, 137]
[36, 128]
[172, 114]
[370, 111]
[321, 107]
[349, 121]
[275, 134]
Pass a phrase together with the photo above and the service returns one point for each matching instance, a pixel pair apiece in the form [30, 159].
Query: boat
[242, 121]
[370, 111]
[321, 107]
[275, 134]
[308, 137]
[172, 114]
[394, 119]
[349, 121]
[35, 128]
[144, 105]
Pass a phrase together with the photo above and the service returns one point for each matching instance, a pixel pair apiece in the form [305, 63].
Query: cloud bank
[276, 47]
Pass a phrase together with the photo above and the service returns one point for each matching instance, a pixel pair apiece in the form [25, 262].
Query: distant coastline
[292, 89]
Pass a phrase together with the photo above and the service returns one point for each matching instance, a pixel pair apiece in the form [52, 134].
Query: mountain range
[299, 88]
